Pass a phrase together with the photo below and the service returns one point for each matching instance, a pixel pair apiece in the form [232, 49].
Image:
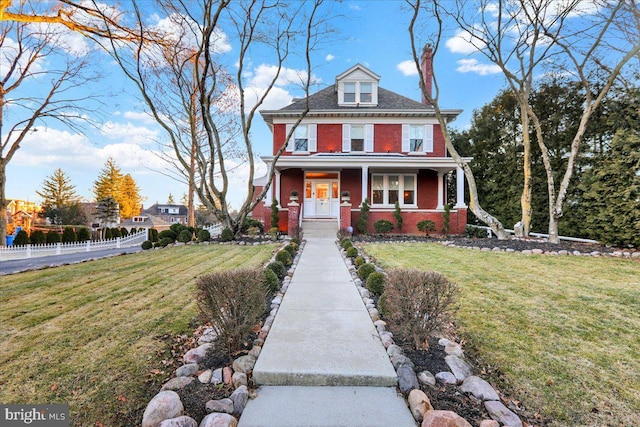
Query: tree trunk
[525, 200]
[3, 203]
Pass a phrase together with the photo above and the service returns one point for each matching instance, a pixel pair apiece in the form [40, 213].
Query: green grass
[89, 334]
[562, 331]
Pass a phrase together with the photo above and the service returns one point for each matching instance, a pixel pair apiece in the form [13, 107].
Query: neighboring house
[170, 213]
[370, 142]
[145, 221]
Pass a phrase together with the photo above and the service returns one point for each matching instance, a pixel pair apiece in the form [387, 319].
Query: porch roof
[350, 161]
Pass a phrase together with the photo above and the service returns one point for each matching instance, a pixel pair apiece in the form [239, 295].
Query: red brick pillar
[294, 219]
[345, 215]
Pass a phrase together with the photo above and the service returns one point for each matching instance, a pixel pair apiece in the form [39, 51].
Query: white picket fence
[33, 251]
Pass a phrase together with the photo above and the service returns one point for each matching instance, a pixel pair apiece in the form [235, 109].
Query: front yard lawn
[89, 334]
[562, 331]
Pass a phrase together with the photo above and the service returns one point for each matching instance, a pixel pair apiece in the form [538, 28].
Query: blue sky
[372, 33]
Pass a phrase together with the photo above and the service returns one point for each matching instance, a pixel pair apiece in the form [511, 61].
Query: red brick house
[370, 142]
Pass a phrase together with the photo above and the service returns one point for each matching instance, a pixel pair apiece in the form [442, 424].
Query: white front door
[323, 198]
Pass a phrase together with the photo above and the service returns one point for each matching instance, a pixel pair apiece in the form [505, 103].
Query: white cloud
[472, 65]
[181, 28]
[9, 53]
[461, 43]
[329, 57]
[408, 68]
[138, 135]
[138, 116]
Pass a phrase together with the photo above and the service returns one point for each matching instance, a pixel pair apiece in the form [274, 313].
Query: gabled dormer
[357, 87]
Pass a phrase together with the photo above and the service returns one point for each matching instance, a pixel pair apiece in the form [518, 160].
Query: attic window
[357, 93]
[349, 92]
[366, 93]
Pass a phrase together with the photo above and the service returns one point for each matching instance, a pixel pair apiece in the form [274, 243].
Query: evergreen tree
[107, 212]
[57, 190]
[109, 183]
[131, 199]
[170, 200]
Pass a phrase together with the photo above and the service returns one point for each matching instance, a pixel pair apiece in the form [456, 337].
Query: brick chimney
[426, 66]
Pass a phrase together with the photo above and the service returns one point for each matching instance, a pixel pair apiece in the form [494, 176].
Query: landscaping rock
[216, 378]
[239, 398]
[489, 423]
[244, 364]
[444, 419]
[205, 377]
[182, 421]
[407, 379]
[177, 383]
[219, 420]
[453, 349]
[459, 367]
[502, 414]
[239, 379]
[426, 378]
[187, 370]
[446, 378]
[227, 375]
[393, 349]
[223, 405]
[164, 406]
[255, 351]
[400, 359]
[479, 388]
[419, 404]
[195, 355]
[443, 342]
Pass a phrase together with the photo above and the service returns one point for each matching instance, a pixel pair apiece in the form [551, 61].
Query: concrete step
[320, 228]
[326, 406]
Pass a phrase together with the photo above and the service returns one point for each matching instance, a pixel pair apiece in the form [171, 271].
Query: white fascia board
[350, 162]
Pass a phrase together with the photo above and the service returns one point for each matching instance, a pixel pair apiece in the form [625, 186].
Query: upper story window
[349, 92]
[358, 93]
[357, 138]
[303, 139]
[366, 92]
[417, 138]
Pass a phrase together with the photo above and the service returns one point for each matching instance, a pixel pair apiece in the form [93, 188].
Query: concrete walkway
[323, 363]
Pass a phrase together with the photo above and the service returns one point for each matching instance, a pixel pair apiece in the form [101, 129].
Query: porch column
[275, 188]
[293, 219]
[440, 191]
[460, 189]
[365, 182]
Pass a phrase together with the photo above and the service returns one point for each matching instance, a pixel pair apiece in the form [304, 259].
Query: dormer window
[357, 87]
[366, 92]
[349, 92]
[358, 93]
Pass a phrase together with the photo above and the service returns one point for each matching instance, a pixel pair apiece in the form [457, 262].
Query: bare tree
[431, 11]
[36, 54]
[526, 37]
[204, 108]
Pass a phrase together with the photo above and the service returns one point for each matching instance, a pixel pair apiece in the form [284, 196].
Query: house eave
[270, 115]
[372, 161]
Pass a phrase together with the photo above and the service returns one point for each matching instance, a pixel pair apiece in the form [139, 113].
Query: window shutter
[428, 139]
[313, 139]
[405, 138]
[346, 138]
[291, 143]
[368, 138]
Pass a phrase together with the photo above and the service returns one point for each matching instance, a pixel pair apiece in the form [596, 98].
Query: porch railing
[34, 251]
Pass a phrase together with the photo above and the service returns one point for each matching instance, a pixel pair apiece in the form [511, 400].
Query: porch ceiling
[342, 161]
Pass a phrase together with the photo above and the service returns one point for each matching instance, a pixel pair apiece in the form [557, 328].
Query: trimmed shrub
[226, 235]
[37, 237]
[358, 261]
[21, 239]
[83, 234]
[383, 226]
[108, 234]
[204, 236]
[177, 228]
[296, 241]
[382, 305]
[397, 214]
[250, 223]
[124, 232]
[278, 268]
[446, 219]
[361, 225]
[475, 232]
[69, 235]
[375, 283]
[365, 270]
[115, 232]
[417, 303]
[284, 257]
[271, 281]
[165, 241]
[147, 244]
[168, 234]
[275, 218]
[233, 303]
[346, 244]
[153, 234]
[352, 252]
[294, 245]
[53, 236]
[133, 230]
[292, 251]
[426, 226]
[185, 236]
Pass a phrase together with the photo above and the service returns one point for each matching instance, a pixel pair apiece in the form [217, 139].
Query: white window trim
[368, 138]
[312, 138]
[374, 92]
[385, 190]
[427, 141]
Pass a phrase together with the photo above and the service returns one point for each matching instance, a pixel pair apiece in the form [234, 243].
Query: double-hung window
[358, 93]
[387, 189]
[417, 138]
[349, 92]
[357, 137]
[303, 139]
